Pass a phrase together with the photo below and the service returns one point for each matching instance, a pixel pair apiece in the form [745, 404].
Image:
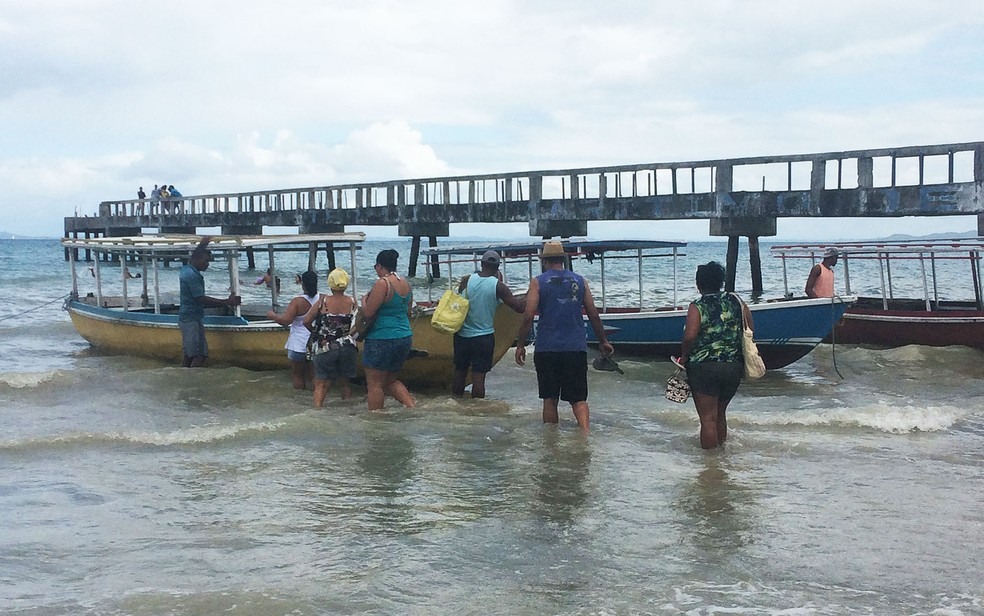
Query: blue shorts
[296, 355]
[193, 342]
[562, 374]
[387, 354]
[475, 353]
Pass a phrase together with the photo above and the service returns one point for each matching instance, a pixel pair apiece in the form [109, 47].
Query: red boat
[946, 314]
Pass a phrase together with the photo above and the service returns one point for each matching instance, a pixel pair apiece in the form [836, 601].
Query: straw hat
[338, 279]
[552, 249]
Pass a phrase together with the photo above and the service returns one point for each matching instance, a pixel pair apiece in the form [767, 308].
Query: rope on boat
[833, 336]
[23, 312]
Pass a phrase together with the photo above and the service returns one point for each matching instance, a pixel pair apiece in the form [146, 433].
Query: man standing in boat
[561, 297]
[820, 283]
[191, 313]
[474, 343]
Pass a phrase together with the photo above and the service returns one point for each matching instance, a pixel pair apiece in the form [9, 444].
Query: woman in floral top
[333, 350]
[711, 352]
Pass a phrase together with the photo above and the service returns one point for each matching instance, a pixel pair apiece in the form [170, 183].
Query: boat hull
[259, 345]
[785, 330]
[953, 326]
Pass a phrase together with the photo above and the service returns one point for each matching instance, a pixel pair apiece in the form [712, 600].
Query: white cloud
[100, 96]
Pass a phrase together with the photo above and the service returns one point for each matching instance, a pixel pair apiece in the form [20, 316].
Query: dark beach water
[132, 487]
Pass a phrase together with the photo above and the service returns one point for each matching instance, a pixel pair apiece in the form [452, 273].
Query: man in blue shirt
[474, 344]
[191, 313]
[562, 298]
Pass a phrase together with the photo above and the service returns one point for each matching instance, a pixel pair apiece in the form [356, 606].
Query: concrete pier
[740, 197]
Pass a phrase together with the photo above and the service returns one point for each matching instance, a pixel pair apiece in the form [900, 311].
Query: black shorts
[715, 378]
[562, 374]
[475, 353]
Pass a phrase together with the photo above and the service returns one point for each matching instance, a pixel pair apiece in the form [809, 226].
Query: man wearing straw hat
[560, 357]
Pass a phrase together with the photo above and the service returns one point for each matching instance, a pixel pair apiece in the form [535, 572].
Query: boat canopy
[589, 249]
[150, 250]
[884, 252]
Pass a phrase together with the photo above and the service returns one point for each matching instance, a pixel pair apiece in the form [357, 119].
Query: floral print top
[720, 333]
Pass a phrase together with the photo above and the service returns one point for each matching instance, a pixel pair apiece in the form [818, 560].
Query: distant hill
[902, 237]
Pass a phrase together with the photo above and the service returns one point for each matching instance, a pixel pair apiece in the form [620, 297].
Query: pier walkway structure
[739, 197]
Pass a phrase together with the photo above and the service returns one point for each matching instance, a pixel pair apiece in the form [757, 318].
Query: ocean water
[852, 482]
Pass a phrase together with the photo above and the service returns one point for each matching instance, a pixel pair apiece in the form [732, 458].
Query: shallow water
[132, 487]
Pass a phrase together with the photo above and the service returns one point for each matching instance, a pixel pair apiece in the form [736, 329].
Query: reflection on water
[559, 484]
[718, 508]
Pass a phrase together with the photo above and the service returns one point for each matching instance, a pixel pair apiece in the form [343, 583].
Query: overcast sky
[98, 97]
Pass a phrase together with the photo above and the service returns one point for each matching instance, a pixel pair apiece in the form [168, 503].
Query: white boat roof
[882, 247]
[571, 245]
[174, 243]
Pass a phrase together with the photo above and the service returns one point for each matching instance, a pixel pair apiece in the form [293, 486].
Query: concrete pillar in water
[414, 255]
[435, 266]
[417, 230]
[751, 227]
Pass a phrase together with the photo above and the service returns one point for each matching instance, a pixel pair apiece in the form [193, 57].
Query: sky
[98, 97]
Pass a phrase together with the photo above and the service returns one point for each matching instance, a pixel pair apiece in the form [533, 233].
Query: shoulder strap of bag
[741, 309]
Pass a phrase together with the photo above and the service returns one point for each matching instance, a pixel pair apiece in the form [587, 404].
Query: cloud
[100, 96]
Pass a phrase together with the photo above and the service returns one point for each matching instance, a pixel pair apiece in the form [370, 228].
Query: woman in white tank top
[297, 339]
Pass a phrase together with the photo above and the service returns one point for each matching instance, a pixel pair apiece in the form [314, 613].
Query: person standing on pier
[474, 343]
[191, 313]
[561, 349]
[155, 200]
[820, 282]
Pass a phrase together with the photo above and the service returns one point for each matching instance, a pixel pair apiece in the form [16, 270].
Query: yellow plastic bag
[450, 313]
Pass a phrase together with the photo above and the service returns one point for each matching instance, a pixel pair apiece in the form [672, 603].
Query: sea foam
[20, 380]
[881, 416]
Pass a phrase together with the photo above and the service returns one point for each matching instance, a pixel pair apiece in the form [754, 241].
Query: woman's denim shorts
[387, 355]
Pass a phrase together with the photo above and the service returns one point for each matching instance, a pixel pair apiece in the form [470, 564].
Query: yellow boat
[141, 325]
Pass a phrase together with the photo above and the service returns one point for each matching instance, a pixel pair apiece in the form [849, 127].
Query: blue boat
[785, 329]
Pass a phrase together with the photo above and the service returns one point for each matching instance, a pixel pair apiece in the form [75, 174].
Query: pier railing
[914, 166]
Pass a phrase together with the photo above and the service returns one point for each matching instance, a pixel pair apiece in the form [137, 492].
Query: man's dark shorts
[562, 374]
[193, 342]
[715, 378]
[335, 363]
[475, 353]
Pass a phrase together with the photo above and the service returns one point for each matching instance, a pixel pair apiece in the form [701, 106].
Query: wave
[197, 435]
[22, 380]
[879, 416]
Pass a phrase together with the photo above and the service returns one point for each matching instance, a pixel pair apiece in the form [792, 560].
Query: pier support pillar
[751, 227]
[242, 229]
[178, 229]
[311, 227]
[417, 230]
[557, 228]
[980, 225]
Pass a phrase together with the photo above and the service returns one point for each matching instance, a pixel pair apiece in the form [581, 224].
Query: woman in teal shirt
[712, 352]
[388, 342]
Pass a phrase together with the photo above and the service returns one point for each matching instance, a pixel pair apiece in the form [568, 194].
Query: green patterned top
[719, 338]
